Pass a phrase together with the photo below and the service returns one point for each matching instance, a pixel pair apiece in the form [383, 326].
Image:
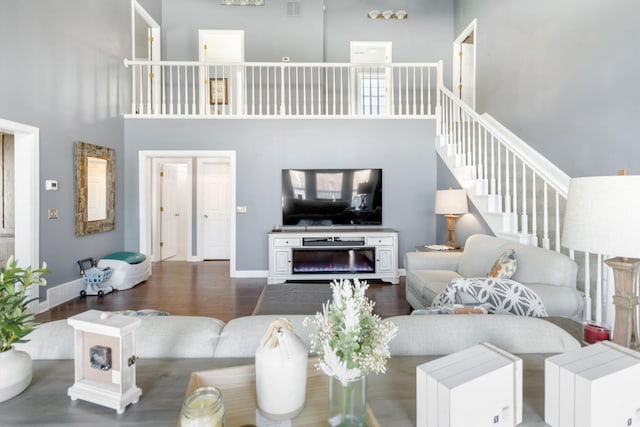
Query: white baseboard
[249, 274]
[61, 294]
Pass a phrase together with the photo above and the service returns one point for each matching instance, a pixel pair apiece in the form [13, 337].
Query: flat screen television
[331, 197]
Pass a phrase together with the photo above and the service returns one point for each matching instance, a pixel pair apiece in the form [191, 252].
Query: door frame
[145, 160]
[155, 50]
[27, 200]
[457, 45]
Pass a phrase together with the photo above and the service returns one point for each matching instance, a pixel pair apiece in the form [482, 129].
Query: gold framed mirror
[95, 188]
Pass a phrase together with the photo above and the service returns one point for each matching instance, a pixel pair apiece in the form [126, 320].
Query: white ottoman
[129, 269]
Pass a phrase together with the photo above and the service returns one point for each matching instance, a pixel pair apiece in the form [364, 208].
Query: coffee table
[293, 298]
[391, 396]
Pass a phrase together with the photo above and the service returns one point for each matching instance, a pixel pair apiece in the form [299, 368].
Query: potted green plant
[16, 322]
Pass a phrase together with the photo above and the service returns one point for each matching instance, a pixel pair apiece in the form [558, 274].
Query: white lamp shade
[451, 202]
[601, 215]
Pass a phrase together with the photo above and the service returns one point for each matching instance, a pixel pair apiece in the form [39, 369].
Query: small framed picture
[218, 91]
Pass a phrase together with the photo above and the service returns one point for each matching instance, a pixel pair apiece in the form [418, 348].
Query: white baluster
[164, 94]
[534, 209]
[179, 88]
[557, 207]
[524, 217]
[304, 91]
[514, 195]
[341, 93]
[171, 90]
[587, 287]
[193, 90]
[545, 217]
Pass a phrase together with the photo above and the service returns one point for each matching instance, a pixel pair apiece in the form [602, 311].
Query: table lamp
[600, 218]
[451, 203]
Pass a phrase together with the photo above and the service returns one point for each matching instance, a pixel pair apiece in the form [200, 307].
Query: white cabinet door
[384, 260]
[282, 261]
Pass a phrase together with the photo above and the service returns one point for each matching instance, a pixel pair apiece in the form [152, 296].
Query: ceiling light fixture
[387, 14]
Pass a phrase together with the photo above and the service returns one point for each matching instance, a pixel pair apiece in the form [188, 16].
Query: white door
[464, 66]
[223, 47]
[169, 211]
[216, 204]
[372, 92]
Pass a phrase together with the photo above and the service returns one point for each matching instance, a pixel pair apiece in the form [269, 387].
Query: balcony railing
[284, 90]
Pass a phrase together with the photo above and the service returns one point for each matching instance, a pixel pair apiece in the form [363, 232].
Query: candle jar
[594, 332]
[203, 408]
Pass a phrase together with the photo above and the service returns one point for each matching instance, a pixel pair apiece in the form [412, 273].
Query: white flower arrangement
[350, 340]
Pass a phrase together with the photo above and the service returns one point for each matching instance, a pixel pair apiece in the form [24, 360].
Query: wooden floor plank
[205, 289]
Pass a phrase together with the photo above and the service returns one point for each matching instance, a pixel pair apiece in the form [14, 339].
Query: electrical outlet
[53, 213]
[241, 209]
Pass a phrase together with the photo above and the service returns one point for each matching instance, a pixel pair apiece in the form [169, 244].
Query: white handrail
[523, 171]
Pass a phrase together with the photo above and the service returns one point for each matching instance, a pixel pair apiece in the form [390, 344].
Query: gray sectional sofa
[551, 275]
[204, 337]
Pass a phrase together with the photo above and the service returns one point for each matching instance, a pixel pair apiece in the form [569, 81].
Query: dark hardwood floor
[205, 289]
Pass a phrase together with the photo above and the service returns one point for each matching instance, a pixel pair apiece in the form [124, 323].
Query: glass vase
[347, 402]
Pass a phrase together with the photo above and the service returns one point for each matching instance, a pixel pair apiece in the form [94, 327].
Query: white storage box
[129, 269]
[479, 386]
[597, 385]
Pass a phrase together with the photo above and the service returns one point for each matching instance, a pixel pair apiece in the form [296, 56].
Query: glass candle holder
[203, 408]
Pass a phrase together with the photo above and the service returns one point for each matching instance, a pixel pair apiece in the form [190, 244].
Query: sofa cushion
[439, 335]
[437, 280]
[560, 299]
[503, 295]
[241, 337]
[479, 255]
[156, 337]
[177, 337]
[505, 265]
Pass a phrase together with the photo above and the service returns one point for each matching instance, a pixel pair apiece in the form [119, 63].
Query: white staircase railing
[284, 90]
[519, 193]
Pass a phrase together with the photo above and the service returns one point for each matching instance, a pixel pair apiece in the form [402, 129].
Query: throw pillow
[505, 266]
[502, 295]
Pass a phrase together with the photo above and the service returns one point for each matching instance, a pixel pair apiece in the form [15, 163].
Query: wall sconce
[242, 2]
[387, 14]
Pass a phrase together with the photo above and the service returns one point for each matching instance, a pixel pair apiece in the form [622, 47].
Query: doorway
[372, 91]
[464, 65]
[224, 47]
[197, 196]
[27, 200]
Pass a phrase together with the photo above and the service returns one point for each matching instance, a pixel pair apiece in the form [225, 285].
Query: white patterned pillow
[505, 266]
[502, 295]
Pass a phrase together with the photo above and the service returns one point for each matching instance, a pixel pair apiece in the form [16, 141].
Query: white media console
[332, 254]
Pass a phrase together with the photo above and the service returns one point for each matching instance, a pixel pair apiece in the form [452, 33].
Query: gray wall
[467, 224]
[269, 34]
[563, 76]
[403, 149]
[62, 72]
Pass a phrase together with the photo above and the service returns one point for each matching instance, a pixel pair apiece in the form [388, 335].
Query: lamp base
[625, 273]
[451, 227]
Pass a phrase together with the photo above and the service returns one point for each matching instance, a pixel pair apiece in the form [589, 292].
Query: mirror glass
[95, 188]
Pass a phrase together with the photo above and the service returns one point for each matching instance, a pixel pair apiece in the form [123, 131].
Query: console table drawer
[375, 241]
[284, 242]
